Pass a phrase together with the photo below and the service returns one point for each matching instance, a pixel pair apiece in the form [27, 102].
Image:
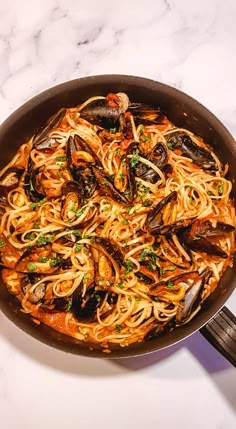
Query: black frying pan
[183, 111]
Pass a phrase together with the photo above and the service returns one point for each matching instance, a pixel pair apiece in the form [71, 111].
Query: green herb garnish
[31, 266]
[135, 158]
[120, 285]
[42, 259]
[220, 187]
[112, 130]
[129, 266]
[69, 306]
[170, 285]
[171, 268]
[43, 240]
[118, 328]
[61, 158]
[61, 165]
[38, 204]
[78, 247]
[54, 261]
[77, 233]
[86, 277]
[145, 139]
[2, 243]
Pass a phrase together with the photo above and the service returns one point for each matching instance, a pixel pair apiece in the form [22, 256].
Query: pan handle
[221, 333]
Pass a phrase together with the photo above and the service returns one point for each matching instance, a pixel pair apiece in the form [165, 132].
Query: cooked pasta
[115, 224]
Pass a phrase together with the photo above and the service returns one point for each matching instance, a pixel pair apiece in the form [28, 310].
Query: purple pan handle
[221, 333]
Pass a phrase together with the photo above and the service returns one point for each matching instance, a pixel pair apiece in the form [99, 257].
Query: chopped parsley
[135, 159]
[86, 277]
[112, 131]
[30, 236]
[79, 212]
[117, 153]
[118, 328]
[145, 139]
[86, 335]
[148, 255]
[61, 158]
[77, 233]
[61, 164]
[220, 187]
[2, 243]
[98, 298]
[54, 261]
[138, 298]
[142, 129]
[36, 225]
[171, 268]
[106, 208]
[209, 193]
[78, 247]
[125, 221]
[120, 285]
[128, 209]
[145, 252]
[42, 259]
[38, 204]
[170, 285]
[43, 240]
[31, 266]
[69, 306]
[129, 266]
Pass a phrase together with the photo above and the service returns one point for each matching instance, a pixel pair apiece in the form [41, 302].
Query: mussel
[112, 249]
[9, 180]
[192, 299]
[79, 162]
[155, 216]
[38, 260]
[106, 112]
[199, 155]
[158, 156]
[41, 138]
[84, 307]
[106, 187]
[30, 183]
[195, 237]
[72, 200]
[146, 115]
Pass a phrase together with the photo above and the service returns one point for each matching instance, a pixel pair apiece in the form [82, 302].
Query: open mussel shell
[40, 139]
[154, 217]
[146, 115]
[199, 155]
[9, 180]
[84, 307]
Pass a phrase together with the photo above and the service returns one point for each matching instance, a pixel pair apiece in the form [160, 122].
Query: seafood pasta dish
[116, 225]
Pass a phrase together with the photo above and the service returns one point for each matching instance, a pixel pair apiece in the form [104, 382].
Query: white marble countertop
[190, 45]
